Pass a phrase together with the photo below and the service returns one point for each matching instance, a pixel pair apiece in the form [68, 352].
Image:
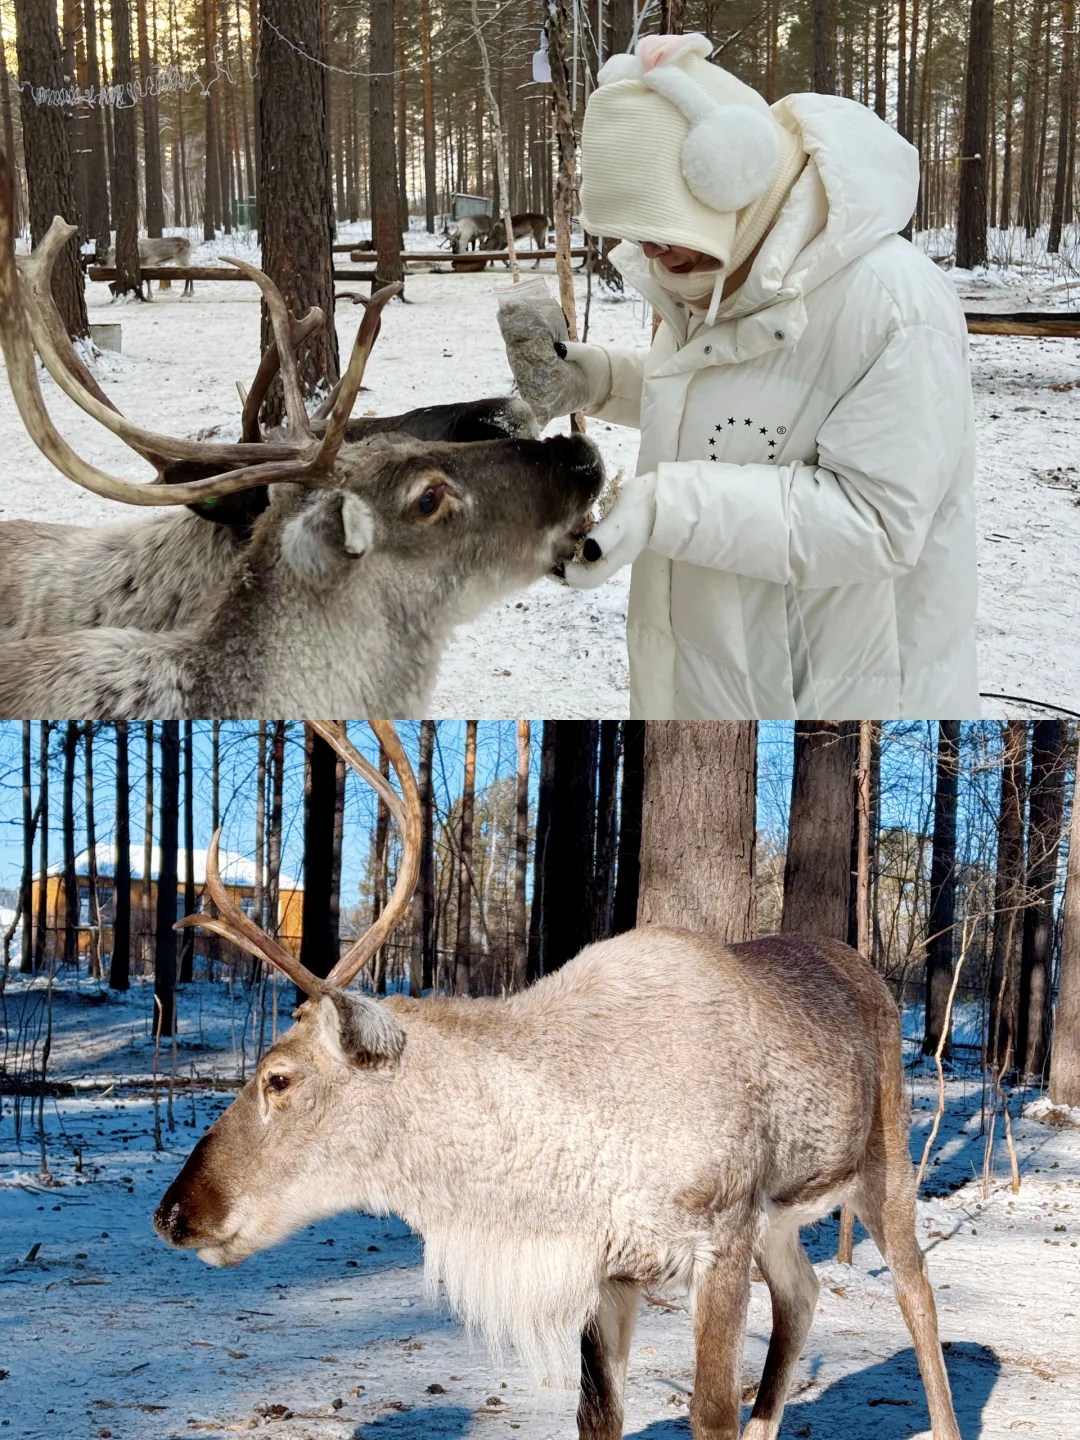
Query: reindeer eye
[429, 501]
[279, 1083]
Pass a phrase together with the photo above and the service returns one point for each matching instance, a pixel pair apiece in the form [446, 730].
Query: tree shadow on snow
[446, 1422]
[885, 1401]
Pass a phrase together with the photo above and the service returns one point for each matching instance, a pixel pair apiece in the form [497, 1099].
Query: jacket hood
[860, 186]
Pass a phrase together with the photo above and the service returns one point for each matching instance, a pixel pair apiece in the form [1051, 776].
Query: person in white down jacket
[801, 525]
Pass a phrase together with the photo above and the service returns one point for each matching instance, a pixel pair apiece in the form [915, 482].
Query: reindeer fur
[659, 1112]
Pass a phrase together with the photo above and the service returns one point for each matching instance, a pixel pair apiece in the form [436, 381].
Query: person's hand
[554, 377]
[620, 537]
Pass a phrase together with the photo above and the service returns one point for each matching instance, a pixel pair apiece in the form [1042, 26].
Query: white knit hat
[677, 151]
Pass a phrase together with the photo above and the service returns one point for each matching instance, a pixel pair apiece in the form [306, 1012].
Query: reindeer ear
[332, 526]
[358, 1031]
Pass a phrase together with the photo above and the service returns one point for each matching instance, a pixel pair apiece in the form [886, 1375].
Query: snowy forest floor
[108, 1333]
[550, 651]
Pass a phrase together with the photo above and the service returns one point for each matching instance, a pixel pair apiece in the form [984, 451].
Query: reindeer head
[279, 1157]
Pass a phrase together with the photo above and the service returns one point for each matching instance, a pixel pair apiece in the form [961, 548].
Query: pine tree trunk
[538, 914]
[212, 181]
[260, 824]
[319, 938]
[1010, 119]
[273, 839]
[155, 202]
[566, 181]
[519, 930]
[941, 948]
[901, 69]
[187, 937]
[881, 49]
[571, 843]
[93, 907]
[428, 935]
[120, 959]
[463, 942]
[430, 182]
[26, 952]
[386, 205]
[71, 882]
[164, 934]
[817, 871]
[628, 862]
[98, 170]
[126, 195]
[50, 177]
[1008, 895]
[1065, 1058]
[606, 830]
[697, 831]
[1046, 804]
[146, 897]
[380, 872]
[402, 133]
[295, 187]
[9, 151]
[41, 929]
[1066, 103]
[1027, 213]
[822, 41]
[972, 207]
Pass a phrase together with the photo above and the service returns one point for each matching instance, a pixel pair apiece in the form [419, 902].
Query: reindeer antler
[29, 321]
[232, 924]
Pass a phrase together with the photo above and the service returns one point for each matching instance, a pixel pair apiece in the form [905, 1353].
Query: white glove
[554, 376]
[620, 537]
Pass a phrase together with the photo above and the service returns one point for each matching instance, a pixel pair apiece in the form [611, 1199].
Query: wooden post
[566, 178]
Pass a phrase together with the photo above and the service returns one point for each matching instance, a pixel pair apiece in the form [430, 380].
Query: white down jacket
[814, 548]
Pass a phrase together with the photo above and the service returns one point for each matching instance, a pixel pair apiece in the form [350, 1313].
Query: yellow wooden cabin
[237, 875]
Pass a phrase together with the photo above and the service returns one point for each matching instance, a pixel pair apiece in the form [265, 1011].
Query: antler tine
[299, 331]
[35, 275]
[232, 924]
[15, 341]
[353, 377]
[406, 813]
[282, 323]
[50, 338]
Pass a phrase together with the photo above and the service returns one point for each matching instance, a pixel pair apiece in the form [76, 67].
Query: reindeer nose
[580, 462]
[170, 1222]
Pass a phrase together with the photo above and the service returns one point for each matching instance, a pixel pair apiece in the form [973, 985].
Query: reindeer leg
[885, 1203]
[721, 1296]
[793, 1288]
[605, 1345]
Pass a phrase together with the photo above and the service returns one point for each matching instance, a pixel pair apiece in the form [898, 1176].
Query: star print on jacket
[745, 451]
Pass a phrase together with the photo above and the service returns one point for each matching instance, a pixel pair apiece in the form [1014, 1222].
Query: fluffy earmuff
[731, 154]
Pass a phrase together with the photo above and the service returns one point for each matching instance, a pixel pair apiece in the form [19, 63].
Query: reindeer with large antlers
[664, 1110]
[369, 554]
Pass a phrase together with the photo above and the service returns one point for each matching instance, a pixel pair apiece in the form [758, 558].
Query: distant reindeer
[368, 555]
[161, 251]
[523, 226]
[665, 1110]
[469, 233]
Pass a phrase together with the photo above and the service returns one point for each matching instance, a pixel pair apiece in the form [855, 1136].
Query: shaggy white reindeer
[356, 574]
[162, 250]
[663, 1110]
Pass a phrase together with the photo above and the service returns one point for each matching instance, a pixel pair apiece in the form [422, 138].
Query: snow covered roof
[235, 869]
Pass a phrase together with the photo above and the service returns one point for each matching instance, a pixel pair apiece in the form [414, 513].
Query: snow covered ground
[107, 1333]
[549, 651]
